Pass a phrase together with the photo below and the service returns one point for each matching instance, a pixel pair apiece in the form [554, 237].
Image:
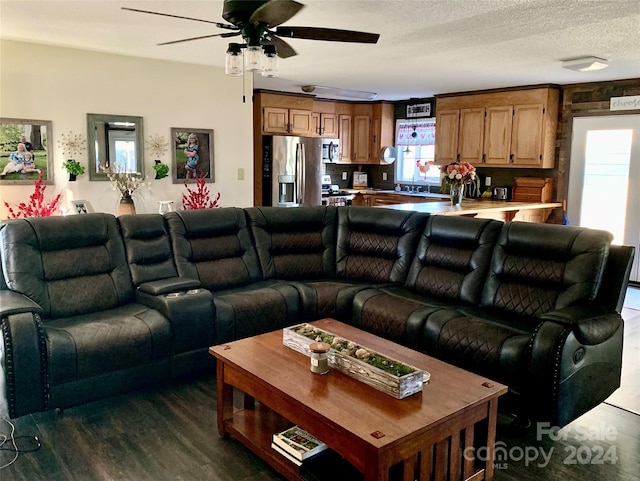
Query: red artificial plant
[200, 197]
[36, 207]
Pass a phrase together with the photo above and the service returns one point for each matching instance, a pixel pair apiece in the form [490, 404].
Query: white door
[604, 178]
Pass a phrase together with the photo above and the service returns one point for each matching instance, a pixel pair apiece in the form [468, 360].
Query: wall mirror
[115, 141]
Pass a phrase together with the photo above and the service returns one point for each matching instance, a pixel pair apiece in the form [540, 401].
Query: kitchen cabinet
[364, 129]
[497, 135]
[277, 120]
[447, 122]
[361, 139]
[471, 135]
[324, 120]
[345, 132]
[324, 125]
[506, 128]
[382, 130]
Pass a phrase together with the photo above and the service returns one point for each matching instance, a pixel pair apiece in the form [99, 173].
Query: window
[415, 145]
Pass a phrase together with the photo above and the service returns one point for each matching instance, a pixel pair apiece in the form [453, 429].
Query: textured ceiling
[426, 47]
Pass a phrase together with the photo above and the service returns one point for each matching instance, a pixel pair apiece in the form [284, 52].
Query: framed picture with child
[25, 151]
[192, 155]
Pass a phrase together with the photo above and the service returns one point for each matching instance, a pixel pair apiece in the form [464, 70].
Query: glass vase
[456, 193]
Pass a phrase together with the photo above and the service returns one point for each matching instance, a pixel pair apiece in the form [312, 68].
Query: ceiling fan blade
[327, 34]
[217, 24]
[224, 35]
[283, 49]
[275, 12]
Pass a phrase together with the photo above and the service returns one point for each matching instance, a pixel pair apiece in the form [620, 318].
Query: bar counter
[499, 209]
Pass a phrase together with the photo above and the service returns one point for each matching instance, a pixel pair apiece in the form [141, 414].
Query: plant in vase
[126, 184]
[456, 176]
[73, 168]
[200, 197]
[37, 206]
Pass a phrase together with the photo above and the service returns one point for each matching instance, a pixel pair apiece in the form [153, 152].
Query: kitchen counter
[426, 195]
[500, 209]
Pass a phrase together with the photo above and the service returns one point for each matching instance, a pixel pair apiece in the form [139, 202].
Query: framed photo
[419, 110]
[26, 149]
[80, 207]
[192, 155]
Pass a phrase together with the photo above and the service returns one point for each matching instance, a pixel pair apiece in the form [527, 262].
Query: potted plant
[73, 167]
[162, 170]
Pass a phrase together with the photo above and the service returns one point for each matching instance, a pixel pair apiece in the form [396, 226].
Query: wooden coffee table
[433, 435]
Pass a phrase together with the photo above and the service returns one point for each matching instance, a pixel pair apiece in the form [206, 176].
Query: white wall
[63, 85]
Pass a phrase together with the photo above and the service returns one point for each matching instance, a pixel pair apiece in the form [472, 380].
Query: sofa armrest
[591, 324]
[191, 314]
[166, 286]
[12, 302]
[23, 360]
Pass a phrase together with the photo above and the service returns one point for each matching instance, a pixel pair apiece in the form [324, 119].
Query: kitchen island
[493, 209]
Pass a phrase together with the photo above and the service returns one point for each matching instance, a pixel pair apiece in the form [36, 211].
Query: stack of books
[297, 445]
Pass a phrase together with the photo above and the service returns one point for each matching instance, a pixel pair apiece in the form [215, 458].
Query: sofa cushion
[328, 298]
[495, 348]
[376, 245]
[256, 309]
[214, 246]
[452, 259]
[537, 268]
[296, 243]
[395, 313]
[148, 247]
[69, 265]
[89, 345]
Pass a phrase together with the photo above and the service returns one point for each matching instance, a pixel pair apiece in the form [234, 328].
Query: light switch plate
[384, 176]
[240, 174]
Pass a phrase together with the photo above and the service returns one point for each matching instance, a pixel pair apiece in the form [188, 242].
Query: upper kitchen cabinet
[382, 130]
[509, 128]
[324, 121]
[364, 129]
[277, 120]
[286, 114]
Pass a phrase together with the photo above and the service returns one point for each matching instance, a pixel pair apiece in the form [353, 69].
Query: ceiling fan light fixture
[321, 91]
[270, 61]
[585, 64]
[233, 60]
[253, 58]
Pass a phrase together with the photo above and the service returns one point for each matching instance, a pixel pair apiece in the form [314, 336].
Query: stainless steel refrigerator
[291, 171]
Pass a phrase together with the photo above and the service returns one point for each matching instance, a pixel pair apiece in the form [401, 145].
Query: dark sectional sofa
[94, 305]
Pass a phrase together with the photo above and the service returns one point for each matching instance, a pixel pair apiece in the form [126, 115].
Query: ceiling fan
[258, 22]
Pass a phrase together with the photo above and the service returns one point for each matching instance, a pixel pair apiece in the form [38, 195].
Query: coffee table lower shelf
[254, 428]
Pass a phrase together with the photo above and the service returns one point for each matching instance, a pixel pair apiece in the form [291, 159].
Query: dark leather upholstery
[450, 266]
[76, 271]
[215, 247]
[148, 247]
[295, 244]
[374, 247]
[88, 311]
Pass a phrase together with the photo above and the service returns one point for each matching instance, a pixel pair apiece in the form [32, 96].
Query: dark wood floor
[169, 434]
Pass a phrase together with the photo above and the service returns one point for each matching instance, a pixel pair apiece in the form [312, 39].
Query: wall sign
[419, 110]
[631, 102]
